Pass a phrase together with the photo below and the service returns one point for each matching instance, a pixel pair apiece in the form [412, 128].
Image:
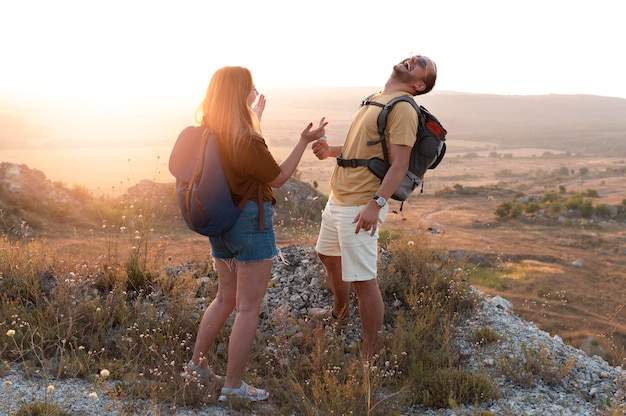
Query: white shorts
[359, 252]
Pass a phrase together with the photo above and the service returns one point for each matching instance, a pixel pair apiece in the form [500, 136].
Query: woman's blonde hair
[225, 109]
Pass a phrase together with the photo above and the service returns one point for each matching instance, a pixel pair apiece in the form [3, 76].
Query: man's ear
[419, 86]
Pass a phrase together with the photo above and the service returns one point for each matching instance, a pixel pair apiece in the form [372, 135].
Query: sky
[101, 70]
[120, 54]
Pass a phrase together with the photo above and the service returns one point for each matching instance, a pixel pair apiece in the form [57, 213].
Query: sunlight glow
[83, 74]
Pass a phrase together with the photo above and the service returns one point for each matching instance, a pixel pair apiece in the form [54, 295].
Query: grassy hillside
[590, 129]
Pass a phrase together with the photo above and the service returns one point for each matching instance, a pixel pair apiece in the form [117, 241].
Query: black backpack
[202, 190]
[427, 153]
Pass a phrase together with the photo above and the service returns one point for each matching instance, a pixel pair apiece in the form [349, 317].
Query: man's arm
[367, 218]
[400, 157]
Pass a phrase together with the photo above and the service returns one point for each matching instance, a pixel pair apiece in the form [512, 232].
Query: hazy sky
[113, 73]
[123, 53]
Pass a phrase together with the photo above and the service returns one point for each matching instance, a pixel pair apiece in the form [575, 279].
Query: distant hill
[32, 205]
[576, 123]
[586, 124]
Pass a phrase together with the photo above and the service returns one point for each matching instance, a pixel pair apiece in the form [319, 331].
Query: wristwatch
[379, 200]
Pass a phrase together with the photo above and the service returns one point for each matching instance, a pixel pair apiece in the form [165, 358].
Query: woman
[244, 254]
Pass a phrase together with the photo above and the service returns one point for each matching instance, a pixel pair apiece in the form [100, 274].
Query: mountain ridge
[556, 121]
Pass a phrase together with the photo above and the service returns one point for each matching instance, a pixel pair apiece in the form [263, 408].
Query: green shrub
[602, 210]
[485, 277]
[387, 236]
[41, 409]
[550, 196]
[536, 363]
[555, 209]
[516, 209]
[574, 202]
[485, 335]
[586, 209]
[449, 387]
[532, 207]
[503, 209]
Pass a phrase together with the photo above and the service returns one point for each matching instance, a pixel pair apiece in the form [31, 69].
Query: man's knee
[323, 257]
[329, 261]
[366, 287]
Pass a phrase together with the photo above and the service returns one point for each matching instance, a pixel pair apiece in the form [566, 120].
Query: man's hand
[367, 218]
[321, 149]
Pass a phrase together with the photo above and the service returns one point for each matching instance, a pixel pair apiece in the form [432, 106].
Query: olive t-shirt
[356, 186]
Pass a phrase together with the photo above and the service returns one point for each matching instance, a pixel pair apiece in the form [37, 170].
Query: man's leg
[371, 312]
[328, 243]
[340, 289]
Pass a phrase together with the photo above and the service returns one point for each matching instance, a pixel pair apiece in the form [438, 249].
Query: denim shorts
[246, 242]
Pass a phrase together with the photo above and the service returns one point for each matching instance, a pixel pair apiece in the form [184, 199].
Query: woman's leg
[252, 280]
[217, 312]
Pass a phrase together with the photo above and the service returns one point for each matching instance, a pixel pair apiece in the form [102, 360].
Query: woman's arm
[289, 165]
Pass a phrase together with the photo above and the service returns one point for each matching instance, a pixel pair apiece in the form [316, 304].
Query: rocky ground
[591, 387]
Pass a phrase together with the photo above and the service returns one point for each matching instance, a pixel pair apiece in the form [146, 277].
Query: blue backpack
[202, 190]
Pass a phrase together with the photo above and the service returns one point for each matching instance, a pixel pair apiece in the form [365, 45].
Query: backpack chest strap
[352, 163]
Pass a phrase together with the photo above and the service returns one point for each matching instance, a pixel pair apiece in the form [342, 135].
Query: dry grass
[126, 299]
[150, 321]
[534, 260]
[541, 255]
[532, 263]
[100, 311]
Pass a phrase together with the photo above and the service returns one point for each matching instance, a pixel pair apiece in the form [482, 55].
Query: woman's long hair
[224, 108]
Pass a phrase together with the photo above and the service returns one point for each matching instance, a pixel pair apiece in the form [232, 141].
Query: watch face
[380, 201]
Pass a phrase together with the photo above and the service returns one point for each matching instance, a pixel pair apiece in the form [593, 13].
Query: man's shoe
[327, 316]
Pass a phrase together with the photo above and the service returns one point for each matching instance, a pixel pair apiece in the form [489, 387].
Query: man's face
[411, 69]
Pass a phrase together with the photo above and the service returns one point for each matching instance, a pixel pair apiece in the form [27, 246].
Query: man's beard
[399, 75]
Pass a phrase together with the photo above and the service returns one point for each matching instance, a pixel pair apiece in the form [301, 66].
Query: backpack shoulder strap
[381, 124]
[382, 118]
[406, 98]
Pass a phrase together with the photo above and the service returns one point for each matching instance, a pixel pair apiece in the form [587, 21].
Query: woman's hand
[259, 106]
[289, 165]
[309, 135]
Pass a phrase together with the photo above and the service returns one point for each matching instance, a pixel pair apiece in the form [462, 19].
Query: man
[347, 244]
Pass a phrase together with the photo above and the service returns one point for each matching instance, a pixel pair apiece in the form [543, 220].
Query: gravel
[590, 384]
